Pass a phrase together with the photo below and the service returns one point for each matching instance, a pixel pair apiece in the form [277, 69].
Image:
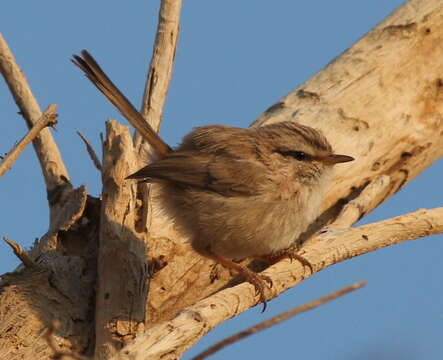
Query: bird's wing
[225, 175]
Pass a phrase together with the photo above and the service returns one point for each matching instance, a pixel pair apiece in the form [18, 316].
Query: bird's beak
[335, 159]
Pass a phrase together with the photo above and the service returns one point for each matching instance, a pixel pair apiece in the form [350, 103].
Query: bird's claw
[268, 280]
[259, 282]
[292, 255]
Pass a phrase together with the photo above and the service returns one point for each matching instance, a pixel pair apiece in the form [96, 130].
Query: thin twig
[278, 319]
[102, 140]
[57, 354]
[20, 253]
[48, 118]
[51, 162]
[91, 151]
[161, 65]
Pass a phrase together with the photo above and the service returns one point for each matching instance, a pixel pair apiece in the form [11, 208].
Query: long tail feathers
[97, 76]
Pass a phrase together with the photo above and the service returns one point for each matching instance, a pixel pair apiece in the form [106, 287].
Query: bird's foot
[290, 254]
[259, 281]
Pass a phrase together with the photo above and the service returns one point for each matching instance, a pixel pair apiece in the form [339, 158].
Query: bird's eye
[298, 155]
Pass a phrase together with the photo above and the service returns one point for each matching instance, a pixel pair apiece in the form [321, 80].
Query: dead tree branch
[19, 252]
[48, 118]
[122, 266]
[156, 88]
[53, 167]
[278, 319]
[161, 66]
[170, 339]
[91, 152]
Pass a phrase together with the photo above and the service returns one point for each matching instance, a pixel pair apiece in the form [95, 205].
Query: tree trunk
[380, 102]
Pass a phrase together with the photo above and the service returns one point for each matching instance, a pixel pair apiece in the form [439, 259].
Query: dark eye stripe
[298, 155]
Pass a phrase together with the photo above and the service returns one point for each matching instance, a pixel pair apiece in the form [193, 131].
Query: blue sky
[235, 59]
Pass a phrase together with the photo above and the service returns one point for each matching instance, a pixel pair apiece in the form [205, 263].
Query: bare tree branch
[122, 266]
[160, 68]
[91, 151]
[107, 341]
[156, 88]
[19, 252]
[278, 319]
[48, 118]
[370, 197]
[170, 339]
[53, 168]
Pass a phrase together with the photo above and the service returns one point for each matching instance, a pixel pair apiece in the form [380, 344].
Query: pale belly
[252, 227]
[240, 227]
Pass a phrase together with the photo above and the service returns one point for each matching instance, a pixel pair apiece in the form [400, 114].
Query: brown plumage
[235, 192]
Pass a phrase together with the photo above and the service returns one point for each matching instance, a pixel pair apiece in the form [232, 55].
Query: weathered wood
[59, 286]
[161, 65]
[48, 118]
[52, 165]
[380, 102]
[122, 267]
[169, 339]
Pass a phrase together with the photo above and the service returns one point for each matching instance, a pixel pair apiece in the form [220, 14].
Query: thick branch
[47, 119]
[122, 267]
[170, 339]
[53, 168]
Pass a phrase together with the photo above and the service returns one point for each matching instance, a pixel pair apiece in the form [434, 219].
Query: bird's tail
[97, 76]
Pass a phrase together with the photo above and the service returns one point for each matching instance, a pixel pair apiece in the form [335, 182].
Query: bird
[235, 192]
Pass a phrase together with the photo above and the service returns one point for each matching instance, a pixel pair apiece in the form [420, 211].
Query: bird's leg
[290, 254]
[250, 276]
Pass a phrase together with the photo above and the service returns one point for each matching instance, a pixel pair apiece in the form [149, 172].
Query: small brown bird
[235, 192]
